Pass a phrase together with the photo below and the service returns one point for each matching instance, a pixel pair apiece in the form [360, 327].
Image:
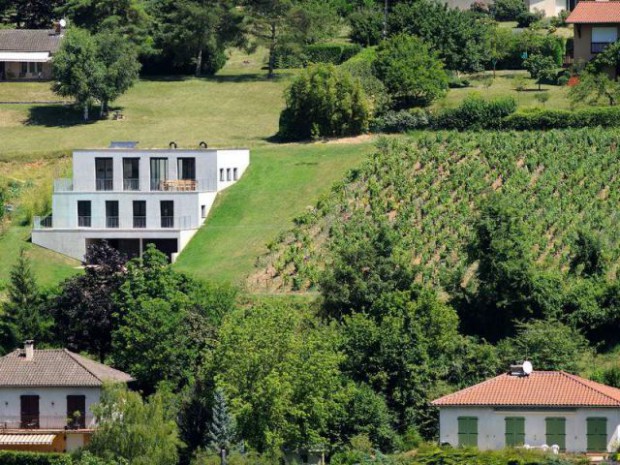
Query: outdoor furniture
[182, 185]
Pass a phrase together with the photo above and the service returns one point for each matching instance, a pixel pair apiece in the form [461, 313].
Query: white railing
[35, 422]
[168, 185]
[63, 185]
[124, 223]
[42, 222]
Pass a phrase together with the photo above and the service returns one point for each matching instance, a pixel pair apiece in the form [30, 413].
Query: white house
[46, 398]
[131, 197]
[544, 408]
[26, 54]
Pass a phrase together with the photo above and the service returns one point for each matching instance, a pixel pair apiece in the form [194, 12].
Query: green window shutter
[515, 431]
[556, 431]
[468, 431]
[597, 434]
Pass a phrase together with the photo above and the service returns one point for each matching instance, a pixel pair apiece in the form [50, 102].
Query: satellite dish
[63, 23]
[527, 367]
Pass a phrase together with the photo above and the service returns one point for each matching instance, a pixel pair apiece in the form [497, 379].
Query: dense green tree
[549, 344]
[140, 432]
[275, 24]
[195, 415]
[167, 323]
[198, 32]
[127, 18]
[594, 89]
[85, 311]
[34, 14]
[542, 68]
[460, 38]
[507, 10]
[78, 71]
[222, 431]
[120, 60]
[324, 101]
[411, 73]
[279, 368]
[22, 311]
[366, 25]
[588, 256]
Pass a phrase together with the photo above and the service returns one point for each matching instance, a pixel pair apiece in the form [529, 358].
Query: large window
[104, 174]
[139, 214]
[111, 214]
[468, 431]
[602, 37]
[597, 434]
[167, 213]
[159, 173]
[84, 214]
[76, 412]
[29, 412]
[556, 431]
[515, 431]
[131, 174]
[186, 168]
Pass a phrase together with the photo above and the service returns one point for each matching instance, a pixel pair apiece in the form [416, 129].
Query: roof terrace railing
[134, 185]
[36, 422]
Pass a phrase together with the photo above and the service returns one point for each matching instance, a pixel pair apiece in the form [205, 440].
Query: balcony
[130, 184]
[125, 223]
[40, 422]
[84, 221]
[111, 222]
[139, 222]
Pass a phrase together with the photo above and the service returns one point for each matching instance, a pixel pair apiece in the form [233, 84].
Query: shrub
[526, 18]
[366, 26]
[33, 458]
[360, 67]
[401, 121]
[324, 101]
[331, 53]
[412, 74]
[475, 113]
[561, 119]
[507, 10]
[560, 19]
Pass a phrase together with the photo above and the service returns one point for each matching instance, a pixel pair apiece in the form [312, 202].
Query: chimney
[29, 349]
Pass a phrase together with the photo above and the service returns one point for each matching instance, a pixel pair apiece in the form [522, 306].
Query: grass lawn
[503, 85]
[280, 183]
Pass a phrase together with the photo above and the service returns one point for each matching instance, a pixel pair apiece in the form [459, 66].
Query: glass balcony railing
[131, 184]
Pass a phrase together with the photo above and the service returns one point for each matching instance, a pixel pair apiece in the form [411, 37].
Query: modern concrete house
[550, 8]
[26, 54]
[596, 26]
[46, 398]
[536, 410]
[131, 197]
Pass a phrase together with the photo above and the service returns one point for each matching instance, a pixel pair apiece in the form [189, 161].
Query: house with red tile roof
[596, 26]
[541, 409]
[46, 398]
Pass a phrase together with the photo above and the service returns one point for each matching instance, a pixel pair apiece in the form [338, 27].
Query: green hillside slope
[430, 190]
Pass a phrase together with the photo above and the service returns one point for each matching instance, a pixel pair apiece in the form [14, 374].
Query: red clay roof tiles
[589, 12]
[539, 389]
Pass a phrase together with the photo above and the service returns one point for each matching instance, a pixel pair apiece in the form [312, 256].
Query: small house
[46, 398]
[539, 409]
[596, 26]
[26, 54]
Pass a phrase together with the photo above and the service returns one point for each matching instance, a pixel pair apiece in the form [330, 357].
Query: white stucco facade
[107, 184]
[492, 425]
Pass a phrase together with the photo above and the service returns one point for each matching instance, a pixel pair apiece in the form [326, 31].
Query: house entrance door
[2, 71]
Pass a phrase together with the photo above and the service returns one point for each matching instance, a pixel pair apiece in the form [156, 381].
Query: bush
[366, 26]
[507, 10]
[360, 67]
[331, 53]
[562, 119]
[33, 458]
[412, 74]
[560, 19]
[526, 18]
[324, 101]
[401, 121]
[475, 113]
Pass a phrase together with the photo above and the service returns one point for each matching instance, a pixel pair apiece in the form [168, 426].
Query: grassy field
[280, 183]
[504, 84]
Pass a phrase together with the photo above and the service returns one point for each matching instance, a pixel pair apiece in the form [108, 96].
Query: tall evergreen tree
[222, 427]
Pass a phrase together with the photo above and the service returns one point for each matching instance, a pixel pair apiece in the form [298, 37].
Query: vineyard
[430, 191]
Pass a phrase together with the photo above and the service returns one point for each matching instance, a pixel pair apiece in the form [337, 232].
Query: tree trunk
[198, 71]
[85, 111]
[223, 456]
[272, 52]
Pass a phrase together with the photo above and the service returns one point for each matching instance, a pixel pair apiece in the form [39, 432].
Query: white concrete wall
[550, 8]
[52, 403]
[492, 427]
[229, 160]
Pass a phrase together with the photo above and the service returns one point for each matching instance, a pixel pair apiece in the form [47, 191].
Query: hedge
[561, 119]
[33, 458]
[331, 53]
[475, 113]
